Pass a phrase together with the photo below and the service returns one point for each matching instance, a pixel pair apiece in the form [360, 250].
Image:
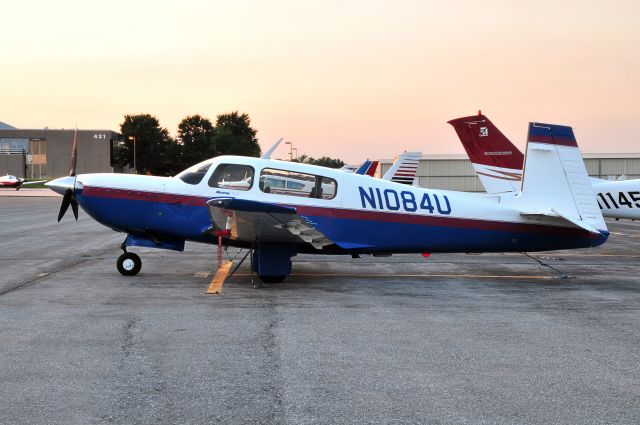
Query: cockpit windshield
[194, 175]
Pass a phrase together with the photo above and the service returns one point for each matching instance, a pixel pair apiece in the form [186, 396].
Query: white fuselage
[618, 199]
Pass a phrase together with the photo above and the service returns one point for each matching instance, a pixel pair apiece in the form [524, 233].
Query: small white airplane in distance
[499, 165]
[341, 213]
[15, 182]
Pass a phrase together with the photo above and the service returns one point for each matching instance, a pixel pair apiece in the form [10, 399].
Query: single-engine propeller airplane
[498, 163]
[285, 208]
[15, 182]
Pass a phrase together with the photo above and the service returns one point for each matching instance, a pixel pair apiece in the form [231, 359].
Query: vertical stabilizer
[267, 154]
[367, 168]
[496, 160]
[555, 181]
[404, 168]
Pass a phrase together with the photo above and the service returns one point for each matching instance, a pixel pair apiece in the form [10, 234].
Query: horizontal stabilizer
[553, 213]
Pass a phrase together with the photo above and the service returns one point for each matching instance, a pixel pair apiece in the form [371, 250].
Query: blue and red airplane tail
[367, 168]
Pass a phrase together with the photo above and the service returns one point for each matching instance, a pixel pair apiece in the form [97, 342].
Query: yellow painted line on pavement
[474, 276]
[551, 254]
[215, 287]
[585, 255]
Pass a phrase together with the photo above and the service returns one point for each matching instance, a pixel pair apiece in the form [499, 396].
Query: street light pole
[135, 170]
[290, 150]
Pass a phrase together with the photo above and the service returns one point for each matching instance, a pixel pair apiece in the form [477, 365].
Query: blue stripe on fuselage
[171, 219]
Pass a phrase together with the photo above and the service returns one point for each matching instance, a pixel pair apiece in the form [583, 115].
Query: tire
[272, 279]
[129, 264]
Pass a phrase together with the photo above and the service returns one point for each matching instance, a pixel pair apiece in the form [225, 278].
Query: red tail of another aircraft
[496, 160]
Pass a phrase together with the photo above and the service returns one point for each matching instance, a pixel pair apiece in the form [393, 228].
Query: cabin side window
[195, 174]
[282, 182]
[232, 176]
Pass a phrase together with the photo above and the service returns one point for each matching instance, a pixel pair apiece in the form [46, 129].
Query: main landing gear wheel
[129, 264]
[272, 279]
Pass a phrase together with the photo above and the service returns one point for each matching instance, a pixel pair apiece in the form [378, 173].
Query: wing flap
[249, 221]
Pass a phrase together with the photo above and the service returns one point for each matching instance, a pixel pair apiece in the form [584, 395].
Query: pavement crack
[47, 274]
[137, 391]
[273, 385]
[43, 276]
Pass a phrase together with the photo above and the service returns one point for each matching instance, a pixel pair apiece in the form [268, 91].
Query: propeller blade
[66, 201]
[74, 208]
[74, 153]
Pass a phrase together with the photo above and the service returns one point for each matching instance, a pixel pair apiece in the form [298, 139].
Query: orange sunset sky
[346, 79]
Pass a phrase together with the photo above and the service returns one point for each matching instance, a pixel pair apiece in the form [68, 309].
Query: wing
[250, 221]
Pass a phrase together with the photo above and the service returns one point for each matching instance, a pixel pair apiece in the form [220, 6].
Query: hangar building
[455, 172]
[46, 153]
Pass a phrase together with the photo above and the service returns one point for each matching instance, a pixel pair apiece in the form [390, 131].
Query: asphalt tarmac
[464, 339]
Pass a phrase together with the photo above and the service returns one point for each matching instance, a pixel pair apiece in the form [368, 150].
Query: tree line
[198, 139]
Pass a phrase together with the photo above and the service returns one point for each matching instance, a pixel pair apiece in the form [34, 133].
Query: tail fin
[367, 168]
[267, 154]
[496, 160]
[404, 168]
[555, 181]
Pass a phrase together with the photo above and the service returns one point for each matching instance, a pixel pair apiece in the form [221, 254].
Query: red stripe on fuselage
[139, 195]
[368, 215]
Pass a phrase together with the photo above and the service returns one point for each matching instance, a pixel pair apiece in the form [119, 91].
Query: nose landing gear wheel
[129, 264]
